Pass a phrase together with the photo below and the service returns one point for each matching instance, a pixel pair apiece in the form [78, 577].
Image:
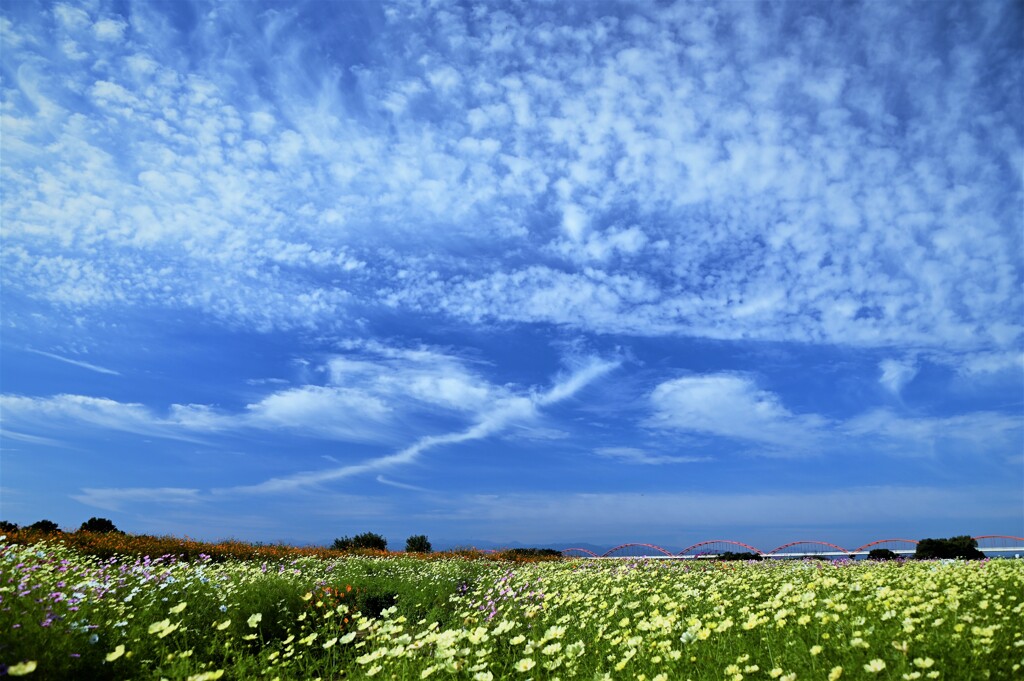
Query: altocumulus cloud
[666, 169]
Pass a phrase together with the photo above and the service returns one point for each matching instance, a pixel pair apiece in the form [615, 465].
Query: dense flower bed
[64, 614]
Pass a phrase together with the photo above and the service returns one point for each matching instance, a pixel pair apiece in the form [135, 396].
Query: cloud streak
[75, 362]
[502, 414]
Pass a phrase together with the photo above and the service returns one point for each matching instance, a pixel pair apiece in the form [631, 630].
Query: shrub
[529, 554]
[882, 554]
[366, 540]
[418, 543]
[99, 525]
[732, 555]
[45, 526]
[7, 526]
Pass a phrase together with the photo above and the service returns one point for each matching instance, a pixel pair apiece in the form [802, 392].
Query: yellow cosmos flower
[207, 676]
[117, 652]
[835, 673]
[156, 627]
[223, 625]
[167, 631]
[178, 608]
[524, 665]
[22, 668]
[874, 666]
[255, 619]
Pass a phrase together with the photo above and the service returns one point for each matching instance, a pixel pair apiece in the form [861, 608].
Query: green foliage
[45, 526]
[732, 555]
[361, 542]
[962, 546]
[529, 554]
[882, 554]
[98, 525]
[418, 543]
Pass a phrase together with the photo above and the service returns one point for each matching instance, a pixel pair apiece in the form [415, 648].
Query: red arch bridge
[992, 545]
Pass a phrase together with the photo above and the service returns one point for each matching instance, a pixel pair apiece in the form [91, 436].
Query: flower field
[67, 614]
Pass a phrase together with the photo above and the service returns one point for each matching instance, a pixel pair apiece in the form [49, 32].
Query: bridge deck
[1019, 551]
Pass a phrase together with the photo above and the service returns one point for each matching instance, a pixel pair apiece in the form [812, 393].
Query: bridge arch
[712, 542]
[808, 542]
[629, 544]
[586, 551]
[999, 543]
[997, 536]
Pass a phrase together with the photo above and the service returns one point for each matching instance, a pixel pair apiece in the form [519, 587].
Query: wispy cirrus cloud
[979, 433]
[373, 393]
[635, 455]
[76, 362]
[371, 397]
[120, 498]
[99, 412]
[498, 416]
[896, 374]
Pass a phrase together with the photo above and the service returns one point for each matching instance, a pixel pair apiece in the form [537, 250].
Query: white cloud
[979, 433]
[71, 18]
[400, 485]
[109, 30]
[31, 439]
[423, 375]
[498, 416]
[118, 499]
[764, 189]
[992, 363]
[574, 221]
[731, 405]
[379, 395]
[76, 362]
[896, 374]
[95, 411]
[635, 455]
[337, 413]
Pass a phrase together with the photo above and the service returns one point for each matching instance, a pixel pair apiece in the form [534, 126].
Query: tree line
[963, 546]
[417, 543]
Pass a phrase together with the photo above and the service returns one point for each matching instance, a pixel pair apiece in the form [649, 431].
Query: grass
[67, 614]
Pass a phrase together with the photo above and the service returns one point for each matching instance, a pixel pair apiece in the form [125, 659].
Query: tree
[7, 526]
[962, 546]
[45, 526]
[99, 525]
[731, 555]
[366, 540]
[418, 543]
[882, 554]
[530, 554]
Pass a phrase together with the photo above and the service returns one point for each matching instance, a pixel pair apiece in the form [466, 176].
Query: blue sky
[520, 272]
